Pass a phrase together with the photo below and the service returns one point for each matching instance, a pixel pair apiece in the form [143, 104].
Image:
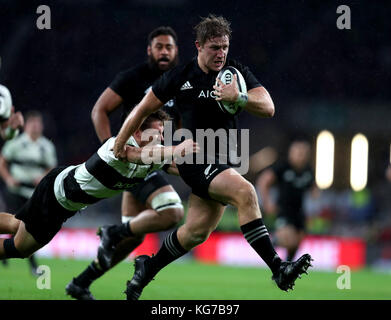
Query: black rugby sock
[119, 232]
[170, 250]
[257, 236]
[89, 275]
[33, 262]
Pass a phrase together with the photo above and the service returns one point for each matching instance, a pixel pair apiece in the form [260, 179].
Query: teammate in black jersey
[66, 190]
[126, 90]
[216, 183]
[292, 178]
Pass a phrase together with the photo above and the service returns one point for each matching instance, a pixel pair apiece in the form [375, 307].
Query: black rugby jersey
[292, 185]
[193, 92]
[132, 85]
[194, 95]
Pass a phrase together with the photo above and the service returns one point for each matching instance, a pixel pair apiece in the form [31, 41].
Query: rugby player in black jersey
[216, 183]
[292, 179]
[126, 90]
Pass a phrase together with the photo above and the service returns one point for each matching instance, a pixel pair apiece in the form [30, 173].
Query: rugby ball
[5, 103]
[226, 75]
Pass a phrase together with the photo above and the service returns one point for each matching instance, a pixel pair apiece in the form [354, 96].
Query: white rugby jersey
[101, 176]
[27, 161]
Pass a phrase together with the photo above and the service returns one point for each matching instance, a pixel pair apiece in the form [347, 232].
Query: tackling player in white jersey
[66, 190]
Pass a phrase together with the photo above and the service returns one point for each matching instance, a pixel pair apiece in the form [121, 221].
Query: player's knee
[295, 240]
[14, 225]
[288, 238]
[169, 205]
[246, 195]
[291, 245]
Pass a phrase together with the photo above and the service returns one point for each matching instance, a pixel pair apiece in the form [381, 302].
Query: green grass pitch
[191, 281]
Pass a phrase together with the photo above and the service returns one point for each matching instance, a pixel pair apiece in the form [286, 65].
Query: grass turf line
[191, 281]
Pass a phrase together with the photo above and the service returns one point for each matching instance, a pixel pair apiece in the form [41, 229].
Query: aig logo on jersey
[207, 94]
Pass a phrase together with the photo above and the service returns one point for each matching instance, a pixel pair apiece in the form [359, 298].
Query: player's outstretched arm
[107, 103]
[149, 104]
[153, 153]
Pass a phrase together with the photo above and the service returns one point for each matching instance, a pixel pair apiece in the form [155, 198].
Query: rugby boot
[142, 276]
[106, 248]
[288, 272]
[78, 292]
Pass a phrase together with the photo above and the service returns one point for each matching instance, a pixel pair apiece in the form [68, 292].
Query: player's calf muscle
[189, 236]
[247, 204]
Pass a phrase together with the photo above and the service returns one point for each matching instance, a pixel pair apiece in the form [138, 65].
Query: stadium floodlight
[324, 170]
[359, 162]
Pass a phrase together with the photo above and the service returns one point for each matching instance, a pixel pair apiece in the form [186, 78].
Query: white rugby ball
[5, 103]
[226, 75]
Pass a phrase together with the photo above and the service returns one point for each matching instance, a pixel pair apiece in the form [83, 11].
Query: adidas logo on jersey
[186, 86]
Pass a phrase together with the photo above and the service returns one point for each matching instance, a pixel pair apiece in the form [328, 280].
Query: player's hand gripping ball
[226, 76]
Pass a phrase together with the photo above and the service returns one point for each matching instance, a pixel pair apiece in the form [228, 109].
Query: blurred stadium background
[320, 78]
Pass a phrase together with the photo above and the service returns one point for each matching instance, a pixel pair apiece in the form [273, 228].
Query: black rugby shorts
[42, 214]
[199, 176]
[151, 183]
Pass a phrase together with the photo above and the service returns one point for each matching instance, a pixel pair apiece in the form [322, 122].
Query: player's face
[212, 55]
[299, 154]
[163, 52]
[34, 126]
[153, 134]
